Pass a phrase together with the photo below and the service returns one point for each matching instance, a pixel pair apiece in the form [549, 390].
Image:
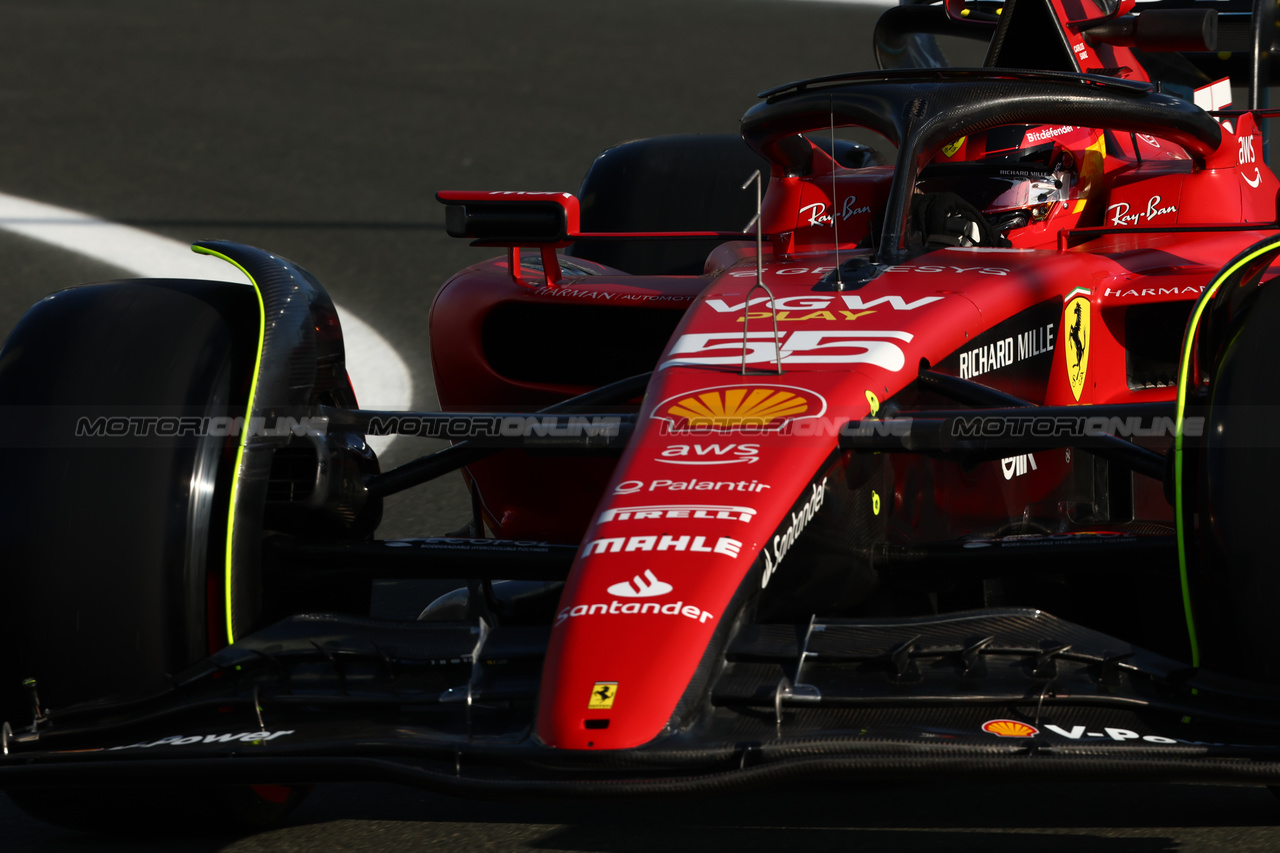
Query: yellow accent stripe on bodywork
[1183, 375]
[244, 430]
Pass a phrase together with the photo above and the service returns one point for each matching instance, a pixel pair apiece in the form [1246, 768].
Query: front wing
[996, 693]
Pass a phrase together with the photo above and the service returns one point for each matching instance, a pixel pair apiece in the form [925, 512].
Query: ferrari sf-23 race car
[954, 464]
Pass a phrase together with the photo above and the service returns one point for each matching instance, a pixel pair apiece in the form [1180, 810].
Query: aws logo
[710, 454]
[730, 407]
[1075, 322]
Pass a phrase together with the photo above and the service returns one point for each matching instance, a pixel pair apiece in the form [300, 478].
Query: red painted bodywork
[647, 595]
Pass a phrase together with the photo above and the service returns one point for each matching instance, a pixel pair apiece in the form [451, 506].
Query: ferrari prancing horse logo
[1076, 321]
[602, 696]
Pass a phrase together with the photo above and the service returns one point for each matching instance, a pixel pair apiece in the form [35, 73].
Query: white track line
[380, 376]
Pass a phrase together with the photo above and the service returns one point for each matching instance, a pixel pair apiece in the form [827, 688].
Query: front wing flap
[450, 707]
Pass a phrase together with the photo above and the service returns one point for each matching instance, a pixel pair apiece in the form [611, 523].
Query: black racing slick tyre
[113, 525]
[668, 183]
[1240, 463]
[113, 533]
[1228, 467]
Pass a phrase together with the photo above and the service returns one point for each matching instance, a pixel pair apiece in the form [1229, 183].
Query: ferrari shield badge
[602, 696]
[1076, 322]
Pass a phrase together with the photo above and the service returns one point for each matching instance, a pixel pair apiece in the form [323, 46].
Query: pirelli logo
[698, 511]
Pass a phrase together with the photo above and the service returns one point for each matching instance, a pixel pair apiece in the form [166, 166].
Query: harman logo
[728, 407]
[647, 587]
[1076, 349]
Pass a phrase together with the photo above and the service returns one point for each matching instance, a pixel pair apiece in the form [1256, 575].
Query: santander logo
[647, 587]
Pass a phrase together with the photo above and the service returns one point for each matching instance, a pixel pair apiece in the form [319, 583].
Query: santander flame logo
[647, 587]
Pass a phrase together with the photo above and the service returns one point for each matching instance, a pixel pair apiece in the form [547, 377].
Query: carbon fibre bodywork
[999, 692]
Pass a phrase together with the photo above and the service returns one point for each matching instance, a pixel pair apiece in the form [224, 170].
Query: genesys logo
[641, 587]
[631, 487]
[709, 512]
[709, 454]
[782, 542]
[694, 544]
[758, 408]
[803, 346]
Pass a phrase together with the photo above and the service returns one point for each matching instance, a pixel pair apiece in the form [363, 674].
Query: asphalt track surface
[321, 130]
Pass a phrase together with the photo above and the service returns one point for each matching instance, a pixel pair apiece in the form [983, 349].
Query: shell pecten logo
[762, 407]
[1009, 728]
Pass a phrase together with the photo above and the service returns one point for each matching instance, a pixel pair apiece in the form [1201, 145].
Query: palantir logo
[647, 587]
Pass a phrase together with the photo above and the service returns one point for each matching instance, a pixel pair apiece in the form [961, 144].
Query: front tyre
[1224, 471]
[113, 531]
[117, 405]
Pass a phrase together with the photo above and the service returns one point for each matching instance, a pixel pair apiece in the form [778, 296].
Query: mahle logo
[730, 407]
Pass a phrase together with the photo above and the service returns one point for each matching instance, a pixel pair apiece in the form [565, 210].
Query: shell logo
[1009, 728]
[761, 407]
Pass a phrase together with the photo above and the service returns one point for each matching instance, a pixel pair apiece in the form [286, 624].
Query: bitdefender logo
[638, 587]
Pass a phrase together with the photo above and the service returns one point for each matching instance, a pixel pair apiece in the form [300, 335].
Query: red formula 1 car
[955, 462]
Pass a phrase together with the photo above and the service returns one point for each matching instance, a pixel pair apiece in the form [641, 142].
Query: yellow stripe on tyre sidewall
[244, 432]
[1269, 245]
